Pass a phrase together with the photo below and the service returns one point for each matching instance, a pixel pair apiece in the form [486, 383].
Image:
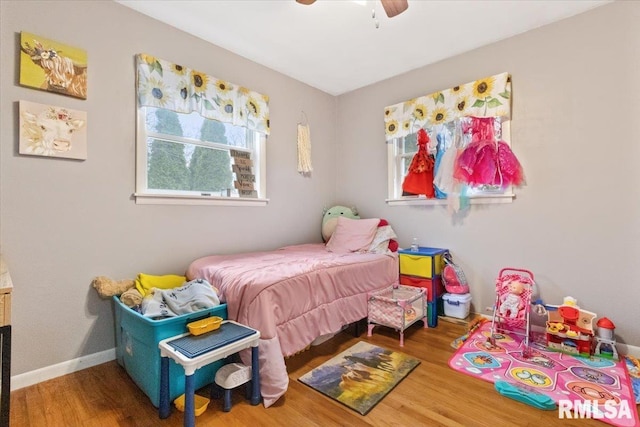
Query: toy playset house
[569, 328]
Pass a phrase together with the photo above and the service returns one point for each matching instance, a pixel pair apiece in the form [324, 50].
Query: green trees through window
[210, 169]
[174, 165]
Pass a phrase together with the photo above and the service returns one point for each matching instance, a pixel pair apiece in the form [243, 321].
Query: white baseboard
[630, 350]
[64, 368]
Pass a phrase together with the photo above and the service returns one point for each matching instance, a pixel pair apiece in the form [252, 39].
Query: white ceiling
[334, 45]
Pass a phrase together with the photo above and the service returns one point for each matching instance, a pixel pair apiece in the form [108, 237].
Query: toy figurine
[605, 339]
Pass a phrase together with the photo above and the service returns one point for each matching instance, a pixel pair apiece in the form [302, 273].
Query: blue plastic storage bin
[137, 339]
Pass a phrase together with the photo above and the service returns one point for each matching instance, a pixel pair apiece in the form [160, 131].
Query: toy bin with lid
[137, 351]
[457, 305]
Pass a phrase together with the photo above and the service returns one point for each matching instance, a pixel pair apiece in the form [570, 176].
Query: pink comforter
[293, 295]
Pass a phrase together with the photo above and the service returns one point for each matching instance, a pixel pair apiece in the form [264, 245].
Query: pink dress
[487, 160]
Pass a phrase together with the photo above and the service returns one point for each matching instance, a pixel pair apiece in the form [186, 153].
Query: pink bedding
[293, 295]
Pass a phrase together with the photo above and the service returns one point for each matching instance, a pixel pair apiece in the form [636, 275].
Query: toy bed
[294, 295]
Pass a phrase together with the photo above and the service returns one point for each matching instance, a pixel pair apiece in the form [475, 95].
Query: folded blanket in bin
[146, 282]
[194, 296]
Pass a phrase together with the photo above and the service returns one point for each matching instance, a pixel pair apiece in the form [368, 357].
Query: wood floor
[432, 395]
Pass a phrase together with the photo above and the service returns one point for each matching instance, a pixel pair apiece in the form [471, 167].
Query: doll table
[218, 344]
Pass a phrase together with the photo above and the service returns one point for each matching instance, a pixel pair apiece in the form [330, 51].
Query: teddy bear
[512, 301]
[126, 288]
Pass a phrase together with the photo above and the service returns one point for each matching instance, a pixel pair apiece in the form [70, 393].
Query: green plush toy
[330, 219]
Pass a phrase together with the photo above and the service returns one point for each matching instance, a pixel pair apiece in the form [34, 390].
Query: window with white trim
[400, 153]
[199, 140]
[189, 156]
[450, 122]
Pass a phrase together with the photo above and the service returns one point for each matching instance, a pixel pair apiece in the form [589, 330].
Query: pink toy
[511, 299]
[398, 307]
[514, 287]
[453, 277]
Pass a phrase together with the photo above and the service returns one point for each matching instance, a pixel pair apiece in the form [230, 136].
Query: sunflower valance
[170, 86]
[487, 97]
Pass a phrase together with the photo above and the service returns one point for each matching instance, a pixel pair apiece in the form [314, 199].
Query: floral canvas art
[51, 131]
[55, 67]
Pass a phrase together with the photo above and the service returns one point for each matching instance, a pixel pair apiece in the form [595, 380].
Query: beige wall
[575, 128]
[64, 222]
[575, 224]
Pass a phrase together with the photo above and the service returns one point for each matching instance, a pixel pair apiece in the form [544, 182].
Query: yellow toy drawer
[427, 262]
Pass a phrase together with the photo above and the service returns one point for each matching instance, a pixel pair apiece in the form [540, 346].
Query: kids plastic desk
[220, 349]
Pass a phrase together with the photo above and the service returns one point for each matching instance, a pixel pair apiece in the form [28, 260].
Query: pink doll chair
[511, 313]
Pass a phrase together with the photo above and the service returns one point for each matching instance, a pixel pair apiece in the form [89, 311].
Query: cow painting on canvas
[52, 66]
[51, 131]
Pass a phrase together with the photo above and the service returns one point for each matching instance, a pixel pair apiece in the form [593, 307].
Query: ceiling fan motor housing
[391, 7]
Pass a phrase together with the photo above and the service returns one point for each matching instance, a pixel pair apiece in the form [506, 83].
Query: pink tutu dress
[486, 160]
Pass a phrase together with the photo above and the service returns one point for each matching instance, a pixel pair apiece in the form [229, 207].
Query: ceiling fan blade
[394, 7]
[307, 2]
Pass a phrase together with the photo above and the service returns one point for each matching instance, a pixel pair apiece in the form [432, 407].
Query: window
[453, 118]
[400, 152]
[187, 156]
[199, 140]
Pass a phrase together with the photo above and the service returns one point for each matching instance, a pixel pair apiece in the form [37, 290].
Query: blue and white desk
[191, 364]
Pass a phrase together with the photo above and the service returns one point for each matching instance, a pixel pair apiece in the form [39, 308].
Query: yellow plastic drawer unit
[426, 262]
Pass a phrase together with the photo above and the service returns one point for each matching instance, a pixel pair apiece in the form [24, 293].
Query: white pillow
[352, 235]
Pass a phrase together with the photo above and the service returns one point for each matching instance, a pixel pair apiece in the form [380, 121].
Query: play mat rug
[360, 376]
[590, 381]
[633, 365]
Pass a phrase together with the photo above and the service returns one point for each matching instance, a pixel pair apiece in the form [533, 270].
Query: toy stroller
[511, 312]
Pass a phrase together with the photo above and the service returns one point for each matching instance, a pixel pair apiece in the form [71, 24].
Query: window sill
[163, 199]
[475, 200]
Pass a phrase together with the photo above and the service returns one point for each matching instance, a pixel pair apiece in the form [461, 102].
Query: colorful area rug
[633, 366]
[360, 376]
[582, 387]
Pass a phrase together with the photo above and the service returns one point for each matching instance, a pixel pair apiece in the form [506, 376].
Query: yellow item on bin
[204, 325]
[144, 282]
[200, 403]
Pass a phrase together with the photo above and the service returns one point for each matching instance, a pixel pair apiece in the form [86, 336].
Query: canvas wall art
[360, 376]
[52, 66]
[47, 130]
